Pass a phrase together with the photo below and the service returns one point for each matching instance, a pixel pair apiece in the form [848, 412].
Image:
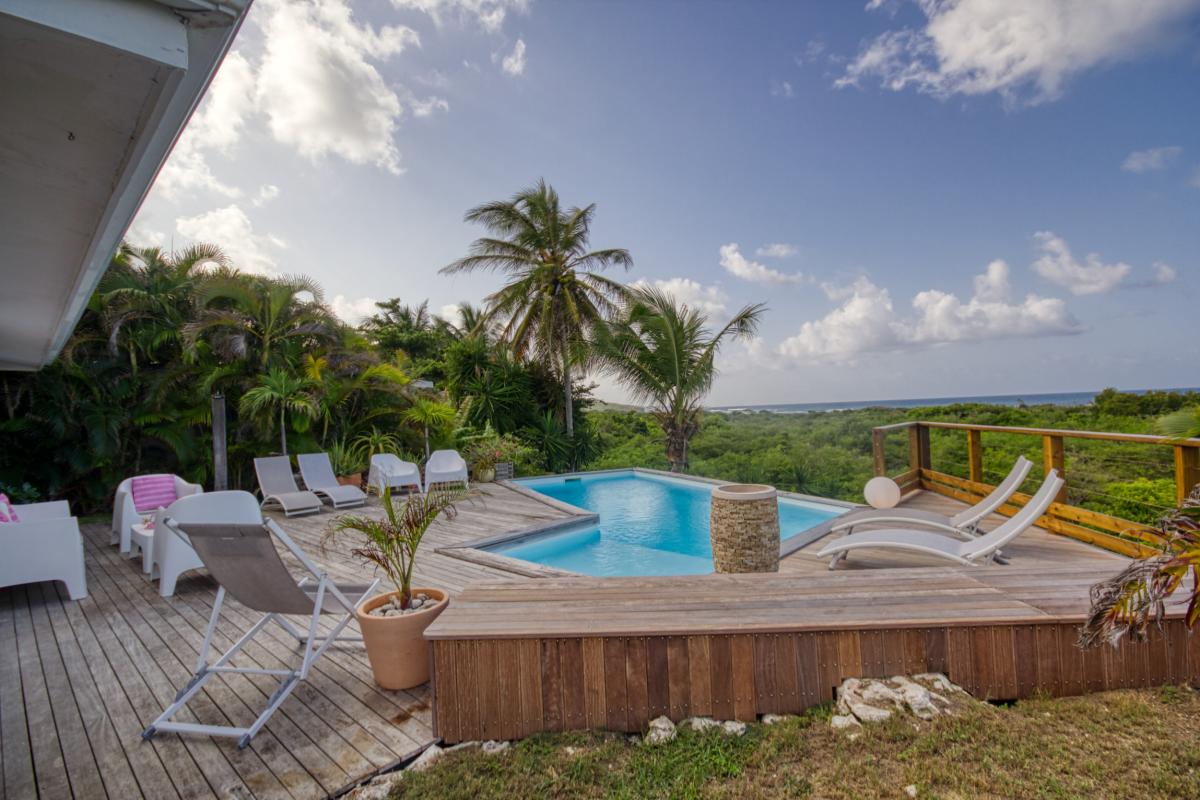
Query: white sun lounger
[445, 466]
[388, 471]
[318, 476]
[278, 486]
[969, 552]
[246, 565]
[964, 522]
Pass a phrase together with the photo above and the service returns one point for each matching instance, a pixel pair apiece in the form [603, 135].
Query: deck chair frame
[314, 645]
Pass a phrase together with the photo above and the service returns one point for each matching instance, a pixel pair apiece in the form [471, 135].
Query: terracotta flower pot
[396, 646]
[350, 480]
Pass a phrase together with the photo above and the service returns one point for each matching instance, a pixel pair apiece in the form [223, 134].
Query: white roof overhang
[93, 95]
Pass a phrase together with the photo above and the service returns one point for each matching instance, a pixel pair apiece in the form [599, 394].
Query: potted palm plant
[347, 461]
[393, 623]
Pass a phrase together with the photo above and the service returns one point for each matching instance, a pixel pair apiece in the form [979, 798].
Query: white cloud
[867, 322]
[1164, 273]
[737, 264]
[707, 299]
[266, 193]
[452, 313]
[318, 87]
[231, 230]
[488, 13]
[1152, 159]
[216, 125]
[141, 234]
[782, 89]
[812, 51]
[1057, 265]
[188, 170]
[219, 121]
[427, 107]
[353, 312]
[776, 250]
[1195, 181]
[514, 62]
[1019, 48]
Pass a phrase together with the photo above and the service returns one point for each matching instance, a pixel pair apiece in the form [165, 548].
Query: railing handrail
[1065, 433]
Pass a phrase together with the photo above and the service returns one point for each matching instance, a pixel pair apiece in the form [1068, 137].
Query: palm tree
[554, 296]
[664, 354]
[147, 295]
[262, 321]
[428, 413]
[282, 391]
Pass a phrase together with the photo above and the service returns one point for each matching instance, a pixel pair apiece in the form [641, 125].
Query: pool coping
[474, 551]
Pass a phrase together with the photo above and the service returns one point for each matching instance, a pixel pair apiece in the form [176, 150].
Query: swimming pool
[649, 525]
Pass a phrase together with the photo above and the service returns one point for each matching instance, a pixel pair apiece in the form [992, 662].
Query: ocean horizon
[1033, 399]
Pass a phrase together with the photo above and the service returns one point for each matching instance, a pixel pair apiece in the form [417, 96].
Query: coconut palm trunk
[568, 399]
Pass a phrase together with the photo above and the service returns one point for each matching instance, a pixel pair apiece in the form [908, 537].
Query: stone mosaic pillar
[744, 527]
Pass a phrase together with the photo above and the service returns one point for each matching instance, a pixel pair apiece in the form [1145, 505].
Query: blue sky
[934, 198]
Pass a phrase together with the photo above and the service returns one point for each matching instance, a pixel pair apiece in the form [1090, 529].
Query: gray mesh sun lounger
[318, 476]
[245, 563]
[278, 486]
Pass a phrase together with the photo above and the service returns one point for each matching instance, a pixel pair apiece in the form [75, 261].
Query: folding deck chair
[243, 560]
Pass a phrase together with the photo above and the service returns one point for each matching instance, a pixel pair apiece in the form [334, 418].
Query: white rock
[843, 721]
[633, 738]
[868, 713]
[879, 693]
[733, 727]
[911, 790]
[472, 745]
[938, 681]
[700, 723]
[772, 719]
[661, 730]
[492, 747]
[426, 759]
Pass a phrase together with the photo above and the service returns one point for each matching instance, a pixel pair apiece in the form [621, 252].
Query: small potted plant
[487, 451]
[347, 461]
[393, 624]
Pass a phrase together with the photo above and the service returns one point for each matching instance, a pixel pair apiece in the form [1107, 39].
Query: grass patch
[1143, 743]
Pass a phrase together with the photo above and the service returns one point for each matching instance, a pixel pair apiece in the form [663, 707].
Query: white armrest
[33, 512]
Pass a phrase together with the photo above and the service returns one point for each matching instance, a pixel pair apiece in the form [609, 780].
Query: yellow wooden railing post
[975, 456]
[918, 450]
[1187, 470]
[877, 439]
[1053, 458]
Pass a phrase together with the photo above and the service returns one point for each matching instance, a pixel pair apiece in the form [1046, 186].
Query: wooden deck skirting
[617, 653]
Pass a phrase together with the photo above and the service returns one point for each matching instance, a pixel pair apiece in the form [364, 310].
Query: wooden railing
[1103, 530]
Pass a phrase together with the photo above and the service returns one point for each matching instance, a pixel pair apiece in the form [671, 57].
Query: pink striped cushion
[7, 512]
[153, 491]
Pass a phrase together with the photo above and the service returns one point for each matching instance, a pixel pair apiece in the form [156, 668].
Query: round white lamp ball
[882, 492]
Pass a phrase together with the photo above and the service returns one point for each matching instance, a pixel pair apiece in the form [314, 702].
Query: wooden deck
[80, 680]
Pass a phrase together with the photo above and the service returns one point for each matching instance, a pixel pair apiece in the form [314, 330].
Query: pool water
[649, 525]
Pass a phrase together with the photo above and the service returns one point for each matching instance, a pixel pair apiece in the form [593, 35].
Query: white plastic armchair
[125, 515]
[445, 466]
[173, 553]
[44, 546]
[389, 471]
